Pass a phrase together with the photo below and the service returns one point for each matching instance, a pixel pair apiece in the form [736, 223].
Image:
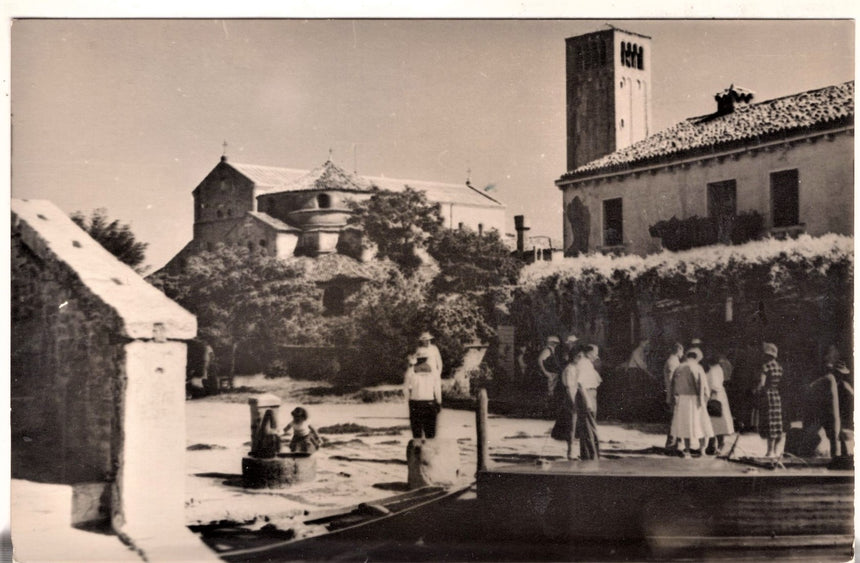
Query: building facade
[787, 162]
[288, 212]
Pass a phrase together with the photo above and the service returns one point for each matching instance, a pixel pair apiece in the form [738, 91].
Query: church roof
[276, 224]
[267, 176]
[748, 123]
[329, 176]
[463, 194]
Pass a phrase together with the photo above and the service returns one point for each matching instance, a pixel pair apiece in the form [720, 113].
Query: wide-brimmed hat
[770, 349]
[696, 352]
[425, 336]
[571, 339]
[551, 339]
[696, 342]
[841, 367]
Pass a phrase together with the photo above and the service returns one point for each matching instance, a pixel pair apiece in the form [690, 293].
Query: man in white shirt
[434, 358]
[589, 378]
[423, 390]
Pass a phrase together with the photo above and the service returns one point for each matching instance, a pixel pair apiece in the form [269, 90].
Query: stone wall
[67, 369]
[98, 380]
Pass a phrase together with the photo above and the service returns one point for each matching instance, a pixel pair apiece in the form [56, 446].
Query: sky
[130, 115]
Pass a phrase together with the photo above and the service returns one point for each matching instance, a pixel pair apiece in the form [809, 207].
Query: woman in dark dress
[770, 401]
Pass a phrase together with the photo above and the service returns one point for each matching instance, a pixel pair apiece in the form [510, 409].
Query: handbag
[715, 408]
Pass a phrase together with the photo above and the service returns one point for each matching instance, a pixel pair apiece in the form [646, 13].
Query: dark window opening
[323, 201]
[623, 51]
[219, 213]
[229, 213]
[333, 300]
[722, 208]
[785, 198]
[250, 246]
[262, 242]
[613, 231]
[641, 58]
[722, 199]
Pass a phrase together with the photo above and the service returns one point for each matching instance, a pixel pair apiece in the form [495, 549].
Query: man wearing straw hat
[431, 352]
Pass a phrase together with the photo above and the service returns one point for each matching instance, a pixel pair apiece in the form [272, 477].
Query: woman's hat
[425, 336]
[552, 339]
[571, 339]
[770, 349]
[841, 367]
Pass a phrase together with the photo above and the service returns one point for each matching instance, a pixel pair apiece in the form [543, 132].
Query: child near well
[305, 439]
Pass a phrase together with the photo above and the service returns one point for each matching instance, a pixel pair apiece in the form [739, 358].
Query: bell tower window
[324, 201]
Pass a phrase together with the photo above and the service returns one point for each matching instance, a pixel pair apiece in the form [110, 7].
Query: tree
[114, 236]
[245, 298]
[400, 224]
[471, 262]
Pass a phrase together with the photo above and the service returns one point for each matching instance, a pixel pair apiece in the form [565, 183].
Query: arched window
[623, 52]
[323, 201]
[634, 56]
[641, 58]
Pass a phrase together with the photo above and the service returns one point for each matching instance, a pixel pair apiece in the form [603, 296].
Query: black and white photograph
[431, 289]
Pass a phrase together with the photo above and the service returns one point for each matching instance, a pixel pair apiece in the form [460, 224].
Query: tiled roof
[276, 224]
[331, 177]
[327, 267]
[439, 192]
[267, 176]
[815, 109]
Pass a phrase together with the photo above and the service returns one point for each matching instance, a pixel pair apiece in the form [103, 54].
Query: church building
[287, 212]
[779, 167]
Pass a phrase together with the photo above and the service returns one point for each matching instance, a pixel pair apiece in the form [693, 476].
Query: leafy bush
[479, 377]
[693, 232]
[554, 297]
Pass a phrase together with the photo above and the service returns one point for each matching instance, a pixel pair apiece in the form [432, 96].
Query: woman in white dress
[723, 425]
[688, 402]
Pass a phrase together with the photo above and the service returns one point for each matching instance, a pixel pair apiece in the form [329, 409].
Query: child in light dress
[305, 438]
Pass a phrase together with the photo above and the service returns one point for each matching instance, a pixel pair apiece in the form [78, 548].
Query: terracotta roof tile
[807, 110]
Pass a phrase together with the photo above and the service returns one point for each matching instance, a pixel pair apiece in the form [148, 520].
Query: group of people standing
[696, 395]
[572, 382]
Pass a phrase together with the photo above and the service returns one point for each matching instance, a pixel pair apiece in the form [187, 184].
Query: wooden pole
[481, 426]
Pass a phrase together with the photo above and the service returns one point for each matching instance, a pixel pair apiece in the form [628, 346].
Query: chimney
[732, 96]
[521, 228]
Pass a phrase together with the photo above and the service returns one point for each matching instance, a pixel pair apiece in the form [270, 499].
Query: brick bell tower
[608, 93]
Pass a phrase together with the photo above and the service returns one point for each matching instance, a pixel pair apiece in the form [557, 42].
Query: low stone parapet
[433, 461]
[281, 471]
